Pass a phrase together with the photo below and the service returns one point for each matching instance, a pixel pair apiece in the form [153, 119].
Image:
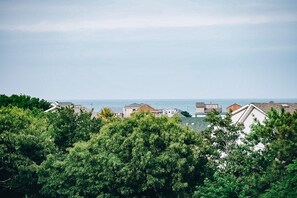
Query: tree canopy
[69, 154]
[139, 156]
[24, 144]
[23, 101]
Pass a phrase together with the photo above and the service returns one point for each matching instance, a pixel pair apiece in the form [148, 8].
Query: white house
[127, 110]
[248, 113]
[171, 112]
[55, 105]
[77, 108]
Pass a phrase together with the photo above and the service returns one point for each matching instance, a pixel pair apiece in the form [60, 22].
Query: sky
[149, 49]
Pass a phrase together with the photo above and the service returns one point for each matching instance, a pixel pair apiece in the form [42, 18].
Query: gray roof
[136, 105]
[266, 107]
[116, 109]
[62, 104]
[200, 104]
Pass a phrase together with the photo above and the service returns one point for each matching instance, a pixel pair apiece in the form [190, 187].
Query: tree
[142, 156]
[70, 127]
[24, 101]
[106, 114]
[24, 144]
[222, 134]
[287, 187]
[249, 172]
[278, 134]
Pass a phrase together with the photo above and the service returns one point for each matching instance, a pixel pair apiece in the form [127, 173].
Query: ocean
[182, 104]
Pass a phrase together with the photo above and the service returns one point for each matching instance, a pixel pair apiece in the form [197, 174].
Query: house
[117, 111]
[171, 112]
[148, 108]
[77, 108]
[55, 105]
[248, 113]
[233, 107]
[203, 109]
[127, 110]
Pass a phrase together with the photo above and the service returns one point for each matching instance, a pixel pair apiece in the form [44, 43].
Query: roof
[148, 108]
[172, 109]
[134, 105]
[263, 108]
[266, 107]
[233, 107]
[234, 104]
[200, 104]
[62, 104]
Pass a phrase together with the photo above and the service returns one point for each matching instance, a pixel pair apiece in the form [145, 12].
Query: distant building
[171, 112]
[77, 108]
[148, 108]
[127, 110]
[203, 109]
[233, 107]
[247, 114]
[117, 111]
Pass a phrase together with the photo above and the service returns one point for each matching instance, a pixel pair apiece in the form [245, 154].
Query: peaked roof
[146, 108]
[234, 104]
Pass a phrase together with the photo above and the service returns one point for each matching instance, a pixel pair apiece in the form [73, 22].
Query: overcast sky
[139, 49]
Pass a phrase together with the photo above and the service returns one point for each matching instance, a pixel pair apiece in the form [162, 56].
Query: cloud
[145, 22]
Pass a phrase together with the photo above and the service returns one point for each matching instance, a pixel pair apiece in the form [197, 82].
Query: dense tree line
[68, 154]
[23, 101]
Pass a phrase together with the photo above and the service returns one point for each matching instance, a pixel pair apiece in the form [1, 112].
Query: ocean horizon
[182, 104]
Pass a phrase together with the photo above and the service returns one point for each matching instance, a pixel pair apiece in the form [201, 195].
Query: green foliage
[23, 101]
[246, 170]
[186, 114]
[70, 127]
[221, 134]
[68, 154]
[141, 156]
[279, 136]
[106, 114]
[287, 187]
[24, 144]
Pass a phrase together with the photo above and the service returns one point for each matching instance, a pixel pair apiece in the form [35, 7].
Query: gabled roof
[147, 108]
[233, 107]
[234, 104]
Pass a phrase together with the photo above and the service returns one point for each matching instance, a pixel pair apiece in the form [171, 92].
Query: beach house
[148, 108]
[171, 112]
[247, 114]
[127, 110]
